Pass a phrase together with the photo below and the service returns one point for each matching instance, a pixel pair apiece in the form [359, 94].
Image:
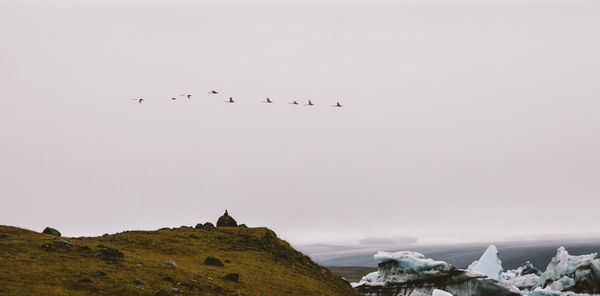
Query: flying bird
[337, 105]
[268, 101]
[230, 100]
[173, 99]
[140, 100]
[294, 103]
[213, 92]
[309, 103]
[187, 95]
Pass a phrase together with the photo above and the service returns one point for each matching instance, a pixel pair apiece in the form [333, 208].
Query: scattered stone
[234, 277]
[108, 253]
[193, 236]
[162, 292]
[227, 261]
[85, 280]
[62, 244]
[226, 221]
[243, 226]
[171, 263]
[210, 260]
[98, 274]
[51, 231]
[139, 282]
[208, 225]
[174, 290]
[2, 235]
[84, 248]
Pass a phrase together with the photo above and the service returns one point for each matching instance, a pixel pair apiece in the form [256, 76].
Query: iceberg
[489, 264]
[409, 260]
[437, 292]
[526, 277]
[564, 265]
[412, 274]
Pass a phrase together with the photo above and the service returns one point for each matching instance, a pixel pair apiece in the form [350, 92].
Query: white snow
[409, 260]
[489, 264]
[437, 292]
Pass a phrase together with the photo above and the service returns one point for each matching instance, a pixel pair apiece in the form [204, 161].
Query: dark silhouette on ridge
[226, 221]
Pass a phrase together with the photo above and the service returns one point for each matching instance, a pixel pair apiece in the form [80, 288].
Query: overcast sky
[461, 119]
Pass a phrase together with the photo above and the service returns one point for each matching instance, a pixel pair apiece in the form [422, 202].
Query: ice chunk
[489, 264]
[563, 265]
[409, 260]
[437, 292]
[370, 278]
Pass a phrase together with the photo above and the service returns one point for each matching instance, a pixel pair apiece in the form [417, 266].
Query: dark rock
[84, 248]
[2, 235]
[165, 228]
[51, 231]
[234, 277]
[243, 226]
[226, 221]
[587, 279]
[85, 280]
[98, 274]
[210, 260]
[227, 261]
[108, 253]
[162, 292]
[528, 268]
[139, 282]
[62, 244]
[199, 226]
[208, 225]
[193, 236]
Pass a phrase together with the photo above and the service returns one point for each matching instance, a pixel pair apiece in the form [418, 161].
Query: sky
[460, 120]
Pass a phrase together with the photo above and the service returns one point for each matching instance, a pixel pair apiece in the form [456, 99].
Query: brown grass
[266, 265]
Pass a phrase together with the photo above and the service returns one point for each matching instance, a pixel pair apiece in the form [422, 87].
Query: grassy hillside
[33, 263]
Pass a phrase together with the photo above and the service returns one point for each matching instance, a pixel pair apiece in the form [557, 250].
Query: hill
[172, 261]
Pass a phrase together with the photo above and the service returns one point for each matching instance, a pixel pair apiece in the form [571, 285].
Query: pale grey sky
[461, 119]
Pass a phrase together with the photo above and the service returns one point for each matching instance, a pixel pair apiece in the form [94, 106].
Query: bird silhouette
[337, 105]
[173, 99]
[294, 103]
[213, 92]
[140, 100]
[187, 95]
[268, 101]
[309, 103]
[230, 100]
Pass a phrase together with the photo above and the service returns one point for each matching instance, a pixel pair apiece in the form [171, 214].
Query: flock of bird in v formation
[214, 92]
